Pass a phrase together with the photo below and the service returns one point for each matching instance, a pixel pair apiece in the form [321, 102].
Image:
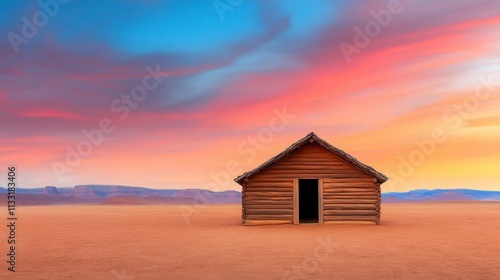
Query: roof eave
[312, 136]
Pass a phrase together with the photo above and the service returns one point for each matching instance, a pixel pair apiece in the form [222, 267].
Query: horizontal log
[268, 194]
[351, 222]
[268, 211]
[353, 184]
[354, 191]
[349, 201]
[279, 189]
[316, 166]
[311, 174]
[247, 222]
[351, 197]
[351, 218]
[348, 189]
[299, 175]
[270, 189]
[354, 188]
[351, 206]
[270, 186]
[260, 205]
[351, 212]
[351, 194]
[268, 206]
[267, 199]
[367, 179]
[374, 198]
[354, 204]
[258, 183]
[312, 168]
[349, 181]
[269, 217]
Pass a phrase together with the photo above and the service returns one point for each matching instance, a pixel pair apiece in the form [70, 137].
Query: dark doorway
[308, 201]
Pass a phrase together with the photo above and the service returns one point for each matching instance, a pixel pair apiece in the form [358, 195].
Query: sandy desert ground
[414, 241]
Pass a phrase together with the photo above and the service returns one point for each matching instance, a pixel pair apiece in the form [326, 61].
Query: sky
[190, 94]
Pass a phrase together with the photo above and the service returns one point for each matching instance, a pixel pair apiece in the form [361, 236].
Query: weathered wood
[351, 213]
[333, 172]
[352, 184]
[351, 207]
[268, 211]
[349, 201]
[274, 184]
[367, 180]
[266, 200]
[351, 218]
[269, 217]
[268, 194]
[310, 167]
[351, 222]
[268, 206]
[304, 175]
[351, 197]
[349, 189]
[266, 222]
[269, 186]
[345, 192]
[269, 189]
[352, 192]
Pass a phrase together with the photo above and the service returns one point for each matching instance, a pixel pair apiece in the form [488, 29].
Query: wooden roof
[310, 138]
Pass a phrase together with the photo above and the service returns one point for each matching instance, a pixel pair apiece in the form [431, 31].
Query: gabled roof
[311, 137]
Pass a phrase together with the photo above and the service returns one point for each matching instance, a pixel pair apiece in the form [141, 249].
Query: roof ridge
[312, 136]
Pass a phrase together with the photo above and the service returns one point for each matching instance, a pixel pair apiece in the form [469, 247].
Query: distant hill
[111, 194]
[440, 195]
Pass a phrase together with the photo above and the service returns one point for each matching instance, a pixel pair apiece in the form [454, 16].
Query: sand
[414, 241]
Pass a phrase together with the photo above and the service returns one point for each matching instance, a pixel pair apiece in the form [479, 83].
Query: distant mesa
[114, 194]
[440, 195]
[50, 190]
[109, 191]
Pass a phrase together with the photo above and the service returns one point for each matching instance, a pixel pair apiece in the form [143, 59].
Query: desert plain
[414, 241]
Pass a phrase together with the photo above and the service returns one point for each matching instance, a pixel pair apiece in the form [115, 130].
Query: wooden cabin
[311, 182]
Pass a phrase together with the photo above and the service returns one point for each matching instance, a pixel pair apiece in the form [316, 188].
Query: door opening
[308, 201]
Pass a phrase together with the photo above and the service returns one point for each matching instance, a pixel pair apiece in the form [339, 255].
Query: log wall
[348, 194]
